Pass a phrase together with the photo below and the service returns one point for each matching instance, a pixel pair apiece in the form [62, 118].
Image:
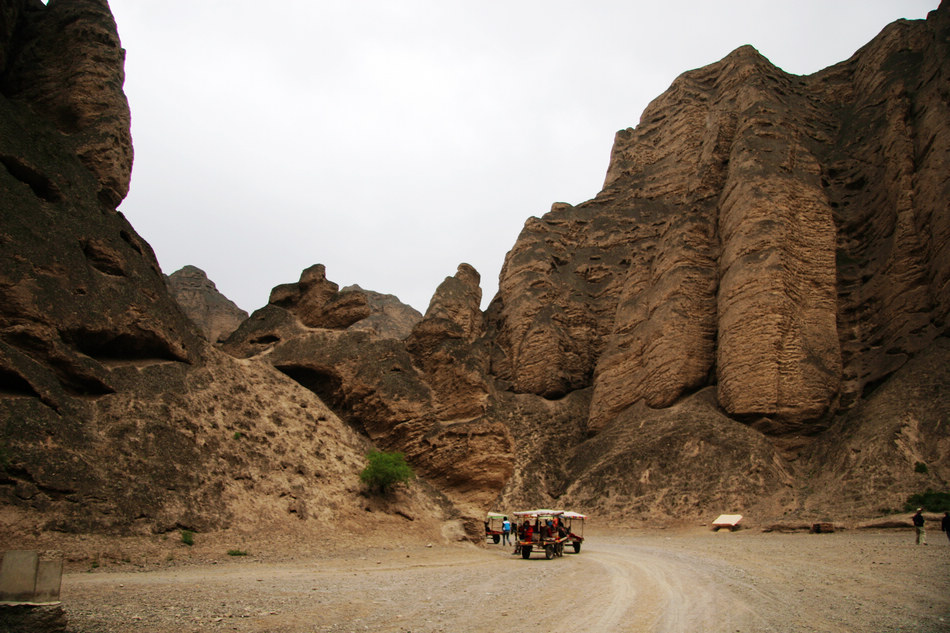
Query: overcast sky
[392, 140]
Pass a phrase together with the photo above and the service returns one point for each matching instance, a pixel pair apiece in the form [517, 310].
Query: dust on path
[663, 582]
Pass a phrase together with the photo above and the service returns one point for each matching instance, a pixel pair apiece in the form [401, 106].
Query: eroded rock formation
[754, 305]
[214, 314]
[115, 414]
[779, 237]
[425, 396]
[766, 251]
[64, 61]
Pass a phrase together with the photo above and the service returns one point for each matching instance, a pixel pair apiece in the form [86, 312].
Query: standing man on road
[918, 520]
[505, 531]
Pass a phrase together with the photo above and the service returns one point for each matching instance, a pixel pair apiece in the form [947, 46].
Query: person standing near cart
[918, 520]
[505, 531]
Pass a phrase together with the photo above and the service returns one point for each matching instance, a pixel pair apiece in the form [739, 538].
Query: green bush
[920, 467]
[384, 471]
[930, 500]
[188, 537]
[236, 552]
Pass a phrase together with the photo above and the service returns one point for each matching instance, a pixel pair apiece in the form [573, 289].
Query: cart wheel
[577, 548]
[495, 538]
[525, 551]
[549, 551]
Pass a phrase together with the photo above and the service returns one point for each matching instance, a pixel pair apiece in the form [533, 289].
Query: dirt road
[657, 581]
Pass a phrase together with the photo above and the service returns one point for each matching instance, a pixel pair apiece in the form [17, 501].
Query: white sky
[392, 140]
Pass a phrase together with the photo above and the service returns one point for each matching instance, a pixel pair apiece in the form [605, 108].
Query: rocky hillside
[115, 413]
[751, 316]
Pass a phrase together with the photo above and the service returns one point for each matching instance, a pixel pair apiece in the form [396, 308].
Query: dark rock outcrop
[65, 63]
[115, 414]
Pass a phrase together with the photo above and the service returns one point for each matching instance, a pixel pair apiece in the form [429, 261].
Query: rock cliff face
[214, 314]
[64, 61]
[425, 396]
[115, 413]
[780, 237]
[767, 249]
[750, 316]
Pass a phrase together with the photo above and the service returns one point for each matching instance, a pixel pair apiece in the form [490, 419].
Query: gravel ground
[674, 581]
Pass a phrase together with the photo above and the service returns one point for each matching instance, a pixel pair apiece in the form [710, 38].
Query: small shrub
[238, 435]
[920, 467]
[236, 552]
[188, 537]
[384, 471]
[929, 500]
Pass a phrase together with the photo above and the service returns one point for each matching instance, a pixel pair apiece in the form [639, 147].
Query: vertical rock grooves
[783, 238]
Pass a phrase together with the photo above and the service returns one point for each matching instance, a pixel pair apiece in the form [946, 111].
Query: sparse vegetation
[236, 552]
[920, 467]
[929, 500]
[238, 435]
[384, 471]
[188, 537]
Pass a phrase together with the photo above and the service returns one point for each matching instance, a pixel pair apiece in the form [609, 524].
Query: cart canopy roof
[538, 513]
[573, 515]
[496, 515]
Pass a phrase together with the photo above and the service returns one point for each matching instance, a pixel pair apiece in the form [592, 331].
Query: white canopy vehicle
[540, 530]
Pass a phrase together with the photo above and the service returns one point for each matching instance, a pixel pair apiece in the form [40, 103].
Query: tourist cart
[539, 531]
[494, 522]
[574, 524]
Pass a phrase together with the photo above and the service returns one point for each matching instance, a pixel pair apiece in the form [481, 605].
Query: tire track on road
[652, 591]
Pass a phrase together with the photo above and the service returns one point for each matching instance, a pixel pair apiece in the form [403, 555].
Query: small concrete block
[727, 520]
[18, 576]
[49, 579]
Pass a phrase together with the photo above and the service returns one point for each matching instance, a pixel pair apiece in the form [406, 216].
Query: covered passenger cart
[574, 524]
[494, 523]
[541, 531]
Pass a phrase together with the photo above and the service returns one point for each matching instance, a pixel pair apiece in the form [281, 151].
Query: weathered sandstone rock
[65, 62]
[318, 302]
[389, 317]
[115, 414]
[442, 345]
[750, 316]
[779, 237]
[425, 396]
[214, 314]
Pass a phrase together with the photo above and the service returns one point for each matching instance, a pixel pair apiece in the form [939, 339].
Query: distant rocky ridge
[214, 314]
[751, 316]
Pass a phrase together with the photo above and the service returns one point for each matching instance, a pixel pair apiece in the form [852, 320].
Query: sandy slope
[665, 581]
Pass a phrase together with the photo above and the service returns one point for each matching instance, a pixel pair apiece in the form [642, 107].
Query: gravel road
[661, 581]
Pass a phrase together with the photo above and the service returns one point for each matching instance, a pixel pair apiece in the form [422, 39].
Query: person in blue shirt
[505, 531]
